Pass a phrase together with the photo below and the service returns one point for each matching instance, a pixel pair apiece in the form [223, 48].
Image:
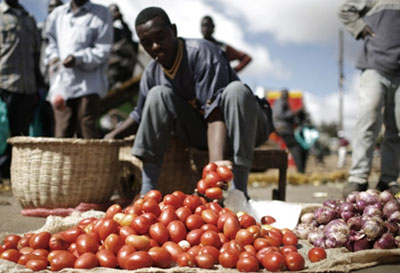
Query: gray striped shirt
[19, 50]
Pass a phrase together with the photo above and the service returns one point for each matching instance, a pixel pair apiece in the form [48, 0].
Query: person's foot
[393, 187]
[352, 186]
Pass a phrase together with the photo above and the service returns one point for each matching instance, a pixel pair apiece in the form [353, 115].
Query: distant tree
[330, 128]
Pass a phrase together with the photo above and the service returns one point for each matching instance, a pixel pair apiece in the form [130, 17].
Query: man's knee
[157, 93]
[235, 89]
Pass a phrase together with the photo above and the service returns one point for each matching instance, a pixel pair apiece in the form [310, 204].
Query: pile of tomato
[162, 231]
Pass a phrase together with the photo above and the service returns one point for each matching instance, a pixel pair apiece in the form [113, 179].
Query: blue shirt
[86, 34]
[202, 74]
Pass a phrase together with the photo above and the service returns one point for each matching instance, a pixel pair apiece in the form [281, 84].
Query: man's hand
[367, 31]
[226, 163]
[69, 61]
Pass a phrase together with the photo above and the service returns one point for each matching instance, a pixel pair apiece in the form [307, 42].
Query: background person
[190, 89]
[19, 71]
[207, 29]
[80, 38]
[377, 24]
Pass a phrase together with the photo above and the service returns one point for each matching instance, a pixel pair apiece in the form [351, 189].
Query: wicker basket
[63, 172]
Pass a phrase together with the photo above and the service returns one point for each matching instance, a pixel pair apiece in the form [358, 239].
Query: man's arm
[234, 54]
[127, 128]
[350, 13]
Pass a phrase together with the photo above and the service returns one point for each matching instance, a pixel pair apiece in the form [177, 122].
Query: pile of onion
[364, 220]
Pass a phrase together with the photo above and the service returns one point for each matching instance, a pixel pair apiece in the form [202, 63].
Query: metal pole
[341, 80]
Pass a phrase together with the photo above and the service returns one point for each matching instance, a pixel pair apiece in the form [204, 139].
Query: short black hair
[149, 13]
[209, 18]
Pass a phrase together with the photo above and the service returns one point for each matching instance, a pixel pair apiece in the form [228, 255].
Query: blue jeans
[379, 101]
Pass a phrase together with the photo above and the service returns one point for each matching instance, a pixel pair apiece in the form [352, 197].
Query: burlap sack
[339, 259]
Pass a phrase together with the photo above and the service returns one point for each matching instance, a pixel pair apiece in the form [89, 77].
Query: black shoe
[393, 187]
[352, 186]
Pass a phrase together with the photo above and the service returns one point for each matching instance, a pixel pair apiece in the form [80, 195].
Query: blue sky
[294, 44]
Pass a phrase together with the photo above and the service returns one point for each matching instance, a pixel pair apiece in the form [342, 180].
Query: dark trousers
[299, 154]
[79, 118]
[20, 110]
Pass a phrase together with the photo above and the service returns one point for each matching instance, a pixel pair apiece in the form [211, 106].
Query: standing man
[19, 70]
[377, 23]
[285, 121]
[80, 38]
[190, 89]
[207, 29]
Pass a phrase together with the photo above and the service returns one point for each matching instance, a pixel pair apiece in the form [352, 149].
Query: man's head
[284, 94]
[53, 4]
[79, 3]
[157, 35]
[207, 27]
[114, 9]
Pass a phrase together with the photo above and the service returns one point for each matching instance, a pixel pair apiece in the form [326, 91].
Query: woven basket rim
[75, 141]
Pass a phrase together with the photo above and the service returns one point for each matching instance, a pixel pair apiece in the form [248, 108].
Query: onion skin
[385, 196]
[324, 215]
[361, 244]
[355, 223]
[386, 241]
[390, 207]
[373, 227]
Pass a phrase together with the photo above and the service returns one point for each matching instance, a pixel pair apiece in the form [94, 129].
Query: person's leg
[163, 113]
[247, 127]
[66, 119]
[371, 100]
[390, 156]
[88, 112]
[295, 150]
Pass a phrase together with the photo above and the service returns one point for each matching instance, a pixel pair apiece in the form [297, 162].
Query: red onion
[320, 242]
[394, 217]
[397, 240]
[354, 223]
[302, 230]
[352, 197]
[315, 235]
[372, 227]
[336, 231]
[333, 204]
[369, 197]
[385, 196]
[324, 215]
[360, 205]
[307, 218]
[361, 244]
[372, 210]
[386, 241]
[346, 215]
[392, 227]
[390, 207]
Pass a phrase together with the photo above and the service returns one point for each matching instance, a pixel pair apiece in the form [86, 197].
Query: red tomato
[211, 179]
[194, 250]
[86, 261]
[84, 222]
[167, 215]
[71, 234]
[264, 251]
[24, 258]
[138, 259]
[215, 207]
[214, 193]
[200, 209]
[193, 236]
[183, 213]
[209, 216]
[206, 227]
[205, 261]
[159, 233]
[40, 240]
[231, 227]
[250, 249]
[210, 250]
[160, 256]
[11, 255]
[177, 231]
[185, 259]
[316, 254]
[267, 220]
[209, 168]
[260, 243]
[287, 249]
[246, 221]
[235, 246]
[58, 242]
[113, 243]
[202, 186]
[141, 224]
[112, 210]
[13, 239]
[24, 241]
[172, 200]
[107, 258]
[125, 231]
[247, 264]
[151, 205]
[139, 242]
[173, 248]
[86, 243]
[210, 238]
[24, 250]
[194, 221]
[192, 202]
[154, 194]
[294, 261]
[36, 264]
[60, 259]
[225, 173]
[123, 253]
[244, 237]
[228, 258]
[40, 252]
[180, 195]
[289, 239]
[273, 241]
[274, 261]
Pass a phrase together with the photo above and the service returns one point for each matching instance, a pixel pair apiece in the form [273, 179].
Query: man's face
[53, 4]
[159, 41]
[207, 28]
[80, 3]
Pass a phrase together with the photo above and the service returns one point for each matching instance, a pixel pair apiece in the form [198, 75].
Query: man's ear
[174, 30]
